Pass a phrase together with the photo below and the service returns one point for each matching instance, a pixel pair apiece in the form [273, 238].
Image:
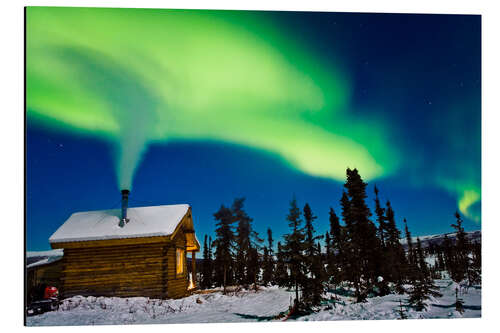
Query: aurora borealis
[396, 96]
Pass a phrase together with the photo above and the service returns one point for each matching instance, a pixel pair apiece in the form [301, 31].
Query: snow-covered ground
[245, 306]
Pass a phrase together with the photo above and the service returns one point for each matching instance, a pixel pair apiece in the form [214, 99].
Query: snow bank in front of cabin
[247, 306]
[207, 308]
[104, 224]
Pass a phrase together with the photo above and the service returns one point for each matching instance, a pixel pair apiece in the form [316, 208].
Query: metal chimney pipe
[125, 194]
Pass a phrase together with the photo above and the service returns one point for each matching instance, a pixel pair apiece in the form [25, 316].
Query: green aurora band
[136, 76]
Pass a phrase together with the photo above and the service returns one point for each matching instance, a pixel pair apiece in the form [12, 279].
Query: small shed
[43, 268]
[130, 252]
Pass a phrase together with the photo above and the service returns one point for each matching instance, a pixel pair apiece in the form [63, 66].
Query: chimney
[124, 218]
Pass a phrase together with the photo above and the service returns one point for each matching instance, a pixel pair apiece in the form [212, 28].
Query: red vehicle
[50, 292]
[48, 302]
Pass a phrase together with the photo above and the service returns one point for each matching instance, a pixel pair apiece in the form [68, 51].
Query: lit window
[180, 261]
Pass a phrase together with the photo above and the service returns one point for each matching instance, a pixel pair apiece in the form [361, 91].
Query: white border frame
[12, 124]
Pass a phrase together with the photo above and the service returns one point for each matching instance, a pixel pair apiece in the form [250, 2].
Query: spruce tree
[329, 257]
[381, 219]
[476, 262]
[310, 239]
[386, 260]
[417, 296]
[247, 244]
[461, 253]
[423, 285]
[313, 285]
[449, 257]
[440, 261]
[254, 264]
[294, 250]
[242, 242]
[365, 249]
[410, 271]
[395, 260]
[224, 246]
[210, 263]
[281, 274]
[338, 249]
[270, 240]
[206, 267]
[351, 262]
[268, 273]
[319, 276]
[422, 265]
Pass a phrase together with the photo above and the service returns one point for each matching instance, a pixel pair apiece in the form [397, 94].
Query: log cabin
[138, 251]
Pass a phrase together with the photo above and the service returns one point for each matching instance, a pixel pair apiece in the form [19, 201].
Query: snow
[37, 258]
[49, 253]
[38, 263]
[440, 237]
[104, 224]
[387, 307]
[245, 306]
[431, 260]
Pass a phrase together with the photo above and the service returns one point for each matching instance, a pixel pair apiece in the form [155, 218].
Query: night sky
[200, 107]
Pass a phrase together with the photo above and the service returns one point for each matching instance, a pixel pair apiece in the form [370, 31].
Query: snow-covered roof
[48, 253]
[104, 224]
[38, 258]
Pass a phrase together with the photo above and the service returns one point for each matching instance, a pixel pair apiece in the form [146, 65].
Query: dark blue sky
[421, 72]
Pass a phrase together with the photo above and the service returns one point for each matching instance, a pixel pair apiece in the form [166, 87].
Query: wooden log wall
[177, 283]
[146, 270]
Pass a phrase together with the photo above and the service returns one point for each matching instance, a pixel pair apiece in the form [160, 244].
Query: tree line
[364, 256]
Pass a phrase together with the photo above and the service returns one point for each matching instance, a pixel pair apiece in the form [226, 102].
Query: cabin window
[180, 261]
